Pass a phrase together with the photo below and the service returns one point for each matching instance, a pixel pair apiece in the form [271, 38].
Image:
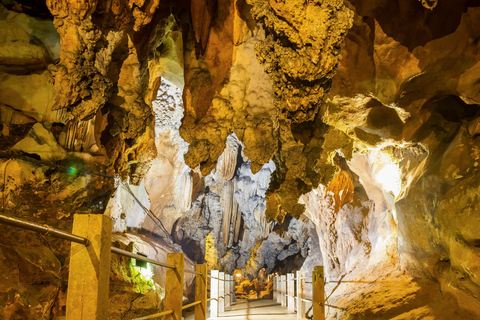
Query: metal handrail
[47, 230]
[191, 271]
[154, 316]
[139, 257]
[191, 304]
[233, 280]
[43, 229]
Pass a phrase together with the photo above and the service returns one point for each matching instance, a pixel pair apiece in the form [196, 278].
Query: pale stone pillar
[300, 294]
[174, 285]
[201, 292]
[318, 293]
[221, 293]
[89, 275]
[214, 291]
[284, 290]
[291, 292]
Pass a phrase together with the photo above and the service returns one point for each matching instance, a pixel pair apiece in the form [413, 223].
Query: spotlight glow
[389, 177]
[147, 272]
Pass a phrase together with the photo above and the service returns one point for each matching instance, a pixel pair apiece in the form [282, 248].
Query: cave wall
[407, 97]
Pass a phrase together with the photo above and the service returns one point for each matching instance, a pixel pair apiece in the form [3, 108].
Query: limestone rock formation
[387, 207]
[299, 53]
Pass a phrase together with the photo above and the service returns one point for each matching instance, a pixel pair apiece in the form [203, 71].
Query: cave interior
[257, 137]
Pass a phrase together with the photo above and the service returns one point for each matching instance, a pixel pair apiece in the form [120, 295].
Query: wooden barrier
[88, 280]
[174, 285]
[318, 293]
[201, 292]
[90, 258]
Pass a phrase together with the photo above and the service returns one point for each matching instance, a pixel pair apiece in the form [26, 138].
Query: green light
[72, 170]
[143, 273]
[147, 272]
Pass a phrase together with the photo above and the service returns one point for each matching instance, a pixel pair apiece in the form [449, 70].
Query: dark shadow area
[411, 24]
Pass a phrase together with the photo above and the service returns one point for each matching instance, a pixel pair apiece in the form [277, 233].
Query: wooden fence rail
[89, 275]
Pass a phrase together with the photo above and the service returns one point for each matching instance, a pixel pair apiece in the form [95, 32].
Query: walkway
[254, 310]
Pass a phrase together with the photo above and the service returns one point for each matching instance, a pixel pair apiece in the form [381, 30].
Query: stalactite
[77, 135]
[228, 160]
[183, 191]
[228, 204]
[236, 215]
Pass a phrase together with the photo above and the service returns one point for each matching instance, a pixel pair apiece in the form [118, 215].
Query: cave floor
[252, 309]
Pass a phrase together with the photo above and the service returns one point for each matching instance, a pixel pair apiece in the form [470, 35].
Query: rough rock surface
[383, 219]
[275, 118]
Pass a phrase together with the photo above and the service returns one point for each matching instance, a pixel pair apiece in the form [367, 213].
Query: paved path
[254, 310]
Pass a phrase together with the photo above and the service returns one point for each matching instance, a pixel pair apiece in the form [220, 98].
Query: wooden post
[221, 293]
[201, 292]
[89, 275]
[318, 293]
[300, 294]
[214, 290]
[291, 292]
[174, 286]
[284, 290]
[227, 290]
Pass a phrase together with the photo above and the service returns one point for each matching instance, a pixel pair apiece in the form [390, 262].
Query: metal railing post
[232, 288]
[227, 290]
[318, 293]
[201, 292]
[279, 286]
[291, 292]
[300, 294]
[214, 290]
[174, 286]
[221, 292]
[274, 288]
[89, 274]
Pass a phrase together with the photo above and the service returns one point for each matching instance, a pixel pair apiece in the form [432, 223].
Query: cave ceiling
[296, 81]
